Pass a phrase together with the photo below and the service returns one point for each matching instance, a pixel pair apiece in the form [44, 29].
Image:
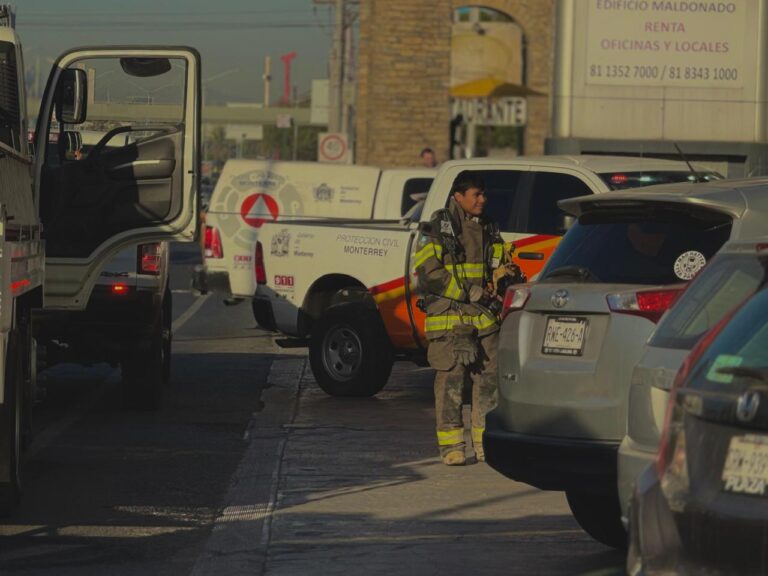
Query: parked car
[732, 276]
[702, 509]
[570, 341]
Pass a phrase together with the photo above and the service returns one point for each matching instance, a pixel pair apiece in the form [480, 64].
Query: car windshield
[647, 246]
[725, 283]
[738, 356]
[623, 180]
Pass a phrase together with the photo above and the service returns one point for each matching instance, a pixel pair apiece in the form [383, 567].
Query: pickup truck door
[117, 159]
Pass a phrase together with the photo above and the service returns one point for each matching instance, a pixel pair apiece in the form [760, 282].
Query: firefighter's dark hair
[467, 179]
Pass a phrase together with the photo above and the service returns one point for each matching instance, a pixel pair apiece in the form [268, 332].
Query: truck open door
[117, 160]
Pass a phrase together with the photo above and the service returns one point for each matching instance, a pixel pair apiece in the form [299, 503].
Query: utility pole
[336, 83]
[267, 79]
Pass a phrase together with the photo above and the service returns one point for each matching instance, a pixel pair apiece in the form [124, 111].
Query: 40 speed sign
[333, 147]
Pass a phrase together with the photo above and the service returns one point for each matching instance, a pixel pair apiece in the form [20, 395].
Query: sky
[233, 37]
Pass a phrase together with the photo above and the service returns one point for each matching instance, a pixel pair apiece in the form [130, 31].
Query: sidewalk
[360, 490]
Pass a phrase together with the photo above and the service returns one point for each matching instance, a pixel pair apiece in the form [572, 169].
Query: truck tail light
[213, 248]
[119, 289]
[261, 272]
[149, 258]
[650, 304]
[515, 298]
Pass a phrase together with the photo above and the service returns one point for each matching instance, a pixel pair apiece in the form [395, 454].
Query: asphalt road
[250, 469]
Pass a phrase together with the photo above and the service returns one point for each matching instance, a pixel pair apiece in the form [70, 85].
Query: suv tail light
[650, 304]
[261, 273]
[515, 298]
[671, 435]
[149, 258]
[213, 248]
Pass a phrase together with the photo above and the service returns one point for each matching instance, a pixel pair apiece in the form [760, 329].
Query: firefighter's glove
[465, 344]
[476, 293]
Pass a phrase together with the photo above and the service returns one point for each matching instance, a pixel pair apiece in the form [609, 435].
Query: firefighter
[458, 252]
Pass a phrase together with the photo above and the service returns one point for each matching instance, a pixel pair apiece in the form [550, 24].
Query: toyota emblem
[560, 298]
[746, 408]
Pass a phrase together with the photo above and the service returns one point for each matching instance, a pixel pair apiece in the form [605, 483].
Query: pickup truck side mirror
[566, 222]
[71, 96]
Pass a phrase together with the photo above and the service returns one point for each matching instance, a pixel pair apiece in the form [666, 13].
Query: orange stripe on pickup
[396, 283]
[536, 238]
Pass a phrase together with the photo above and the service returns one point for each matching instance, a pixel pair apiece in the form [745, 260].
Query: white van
[250, 193]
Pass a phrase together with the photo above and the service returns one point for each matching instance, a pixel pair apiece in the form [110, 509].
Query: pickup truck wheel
[11, 417]
[142, 366]
[349, 351]
[599, 514]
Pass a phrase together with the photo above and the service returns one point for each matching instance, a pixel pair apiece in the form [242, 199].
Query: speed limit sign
[333, 147]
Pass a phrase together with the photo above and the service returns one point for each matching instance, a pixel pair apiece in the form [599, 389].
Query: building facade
[408, 62]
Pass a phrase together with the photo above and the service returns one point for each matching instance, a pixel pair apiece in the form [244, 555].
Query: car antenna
[696, 176]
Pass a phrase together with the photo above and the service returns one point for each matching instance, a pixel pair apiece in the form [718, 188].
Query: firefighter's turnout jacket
[456, 252]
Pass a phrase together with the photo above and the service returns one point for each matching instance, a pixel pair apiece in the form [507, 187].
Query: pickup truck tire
[11, 417]
[143, 370]
[349, 351]
[599, 514]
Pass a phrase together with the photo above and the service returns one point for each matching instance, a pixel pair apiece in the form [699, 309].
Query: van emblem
[746, 408]
[281, 243]
[560, 298]
[323, 193]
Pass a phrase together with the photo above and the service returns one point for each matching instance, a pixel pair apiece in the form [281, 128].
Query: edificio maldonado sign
[667, 43]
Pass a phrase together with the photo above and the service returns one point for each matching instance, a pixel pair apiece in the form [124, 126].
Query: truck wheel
[11, 416]
[349, 351]
[167, 322]
[599, 515]
[142, 366]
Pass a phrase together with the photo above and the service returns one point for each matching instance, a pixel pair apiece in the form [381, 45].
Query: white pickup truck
[250, 193]
[345, 286]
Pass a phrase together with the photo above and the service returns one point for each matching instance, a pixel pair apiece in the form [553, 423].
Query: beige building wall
[404, 75]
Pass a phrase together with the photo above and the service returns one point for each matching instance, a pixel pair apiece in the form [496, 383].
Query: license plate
[746, 465]
[564, 336]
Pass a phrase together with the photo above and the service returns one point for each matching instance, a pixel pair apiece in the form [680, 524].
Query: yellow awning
[489, 88]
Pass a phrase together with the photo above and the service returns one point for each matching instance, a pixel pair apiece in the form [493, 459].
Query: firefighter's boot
[454, 458]
[451, 444]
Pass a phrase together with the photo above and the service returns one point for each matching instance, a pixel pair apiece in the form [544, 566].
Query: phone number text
[663, 72]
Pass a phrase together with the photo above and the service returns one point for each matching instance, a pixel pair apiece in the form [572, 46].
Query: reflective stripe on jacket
[445, 277]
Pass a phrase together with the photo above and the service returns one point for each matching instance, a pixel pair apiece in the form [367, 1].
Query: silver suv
[570, 341]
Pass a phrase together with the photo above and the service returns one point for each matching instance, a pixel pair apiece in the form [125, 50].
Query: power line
[88, 13]
[177, 25]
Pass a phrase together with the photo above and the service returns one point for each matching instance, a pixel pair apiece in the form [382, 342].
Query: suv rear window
[623, 180]
[646, 246]
[739, 349]
[724, 284]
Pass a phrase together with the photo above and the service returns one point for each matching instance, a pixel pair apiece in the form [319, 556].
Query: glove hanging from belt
[465, 344]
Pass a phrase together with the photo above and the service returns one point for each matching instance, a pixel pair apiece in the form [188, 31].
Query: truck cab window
[121, 168]
[415, 190]
[10, 116]
[544, 217]
[501, 188]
